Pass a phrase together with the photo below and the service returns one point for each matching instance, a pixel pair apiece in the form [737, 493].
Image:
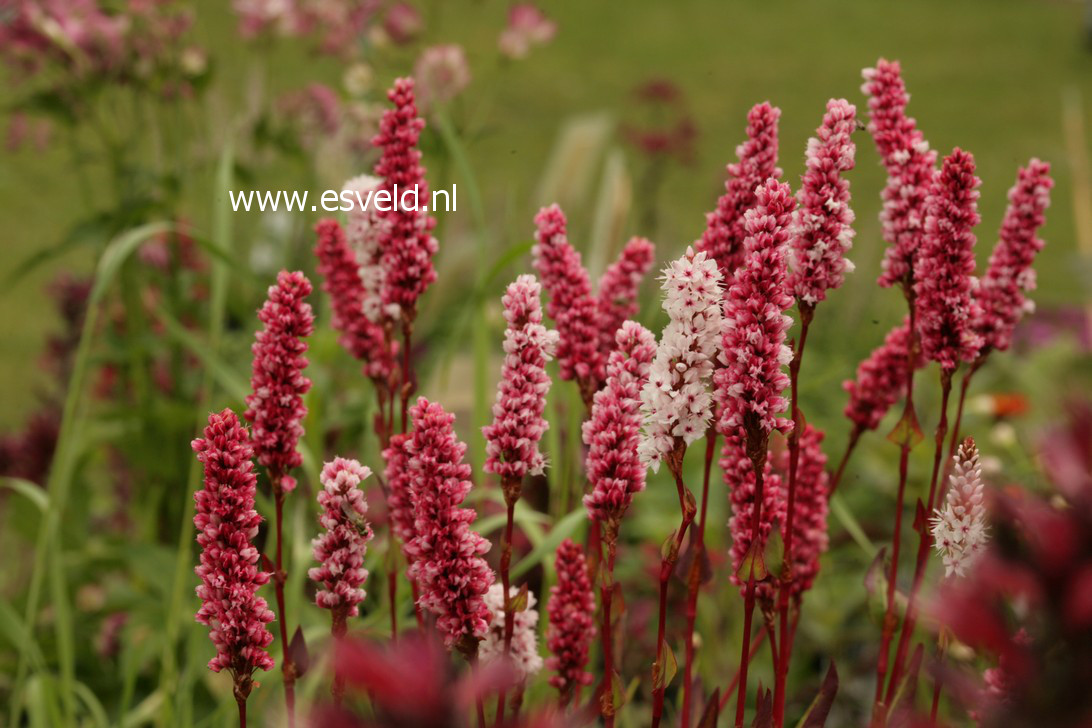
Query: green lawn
[987, 75]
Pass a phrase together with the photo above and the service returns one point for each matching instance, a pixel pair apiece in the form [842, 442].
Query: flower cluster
[725, 232]
[751, 382]
[518, 425]
[406, 238]
[361, 337]
[1010, 275]
[959, 530]
[824, 221]
[910, 164]
[340, 551]
[571, 305]
[363, 234]
[226, 525]
[275, 407]
[571, 609]
[399, 489]
[809, 520]
[527, 27]
[523, 649]
[675, 401]
[739, 476]
[446, 555]
[944, 269]
[881, 379]
[617, 290]
[613, 432]
[440, 74]
[335, 24]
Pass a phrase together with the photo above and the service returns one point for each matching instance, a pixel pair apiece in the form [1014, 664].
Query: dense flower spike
[739, 476]
[823, 231]
[446, 555]
[340, 551]
[275, 407]
[399, 489]
[618, 287]
[881, 379]
[1010, 275]
[226, 523]
[809, 521]
[523, 649]
[751, 382]
[571, 305]
[959, 530]
[910, 164]
[364, 235]
[944, 269]
[406, 237]
[725, 232]
[613, 433]
[361, 337]
[675, 401]
[518, 425]
[571, 609]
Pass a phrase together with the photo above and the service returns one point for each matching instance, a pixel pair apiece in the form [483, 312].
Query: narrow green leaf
[31, 491]
[563, 529]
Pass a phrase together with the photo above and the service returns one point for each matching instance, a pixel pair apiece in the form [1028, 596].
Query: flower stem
[851, 445]
[338, 629]
[726, 694]
[693, 581]
[288, 667]
[511, 488]
[606, 594]
[241, 702]
[757, 451]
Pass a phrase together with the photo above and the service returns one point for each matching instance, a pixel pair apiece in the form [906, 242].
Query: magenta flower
[527, 27]
[911, 167]
[751, 382]
[725, 231]
[809, 521]
[613, 432]
[944, 270]
[618, 287]
[511, 442]
[340, 551]
[571, 609]
[571, 305]
[881, 380]
[399, 490]
[275, 408]
[446, 555]
[824, 221]
[1010, 275]
[406, 242]
[226, 524]
[739, 476]
[361, 337]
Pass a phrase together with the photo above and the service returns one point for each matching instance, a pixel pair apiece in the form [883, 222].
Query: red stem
[338, 629]
[758, 462]
[288, 667]
[925, 540]
[407, 369]
[694, 578]
[606, 594]
[392, 591]
[506, 560]
[851, 445]
[726, 694]
[241, 702]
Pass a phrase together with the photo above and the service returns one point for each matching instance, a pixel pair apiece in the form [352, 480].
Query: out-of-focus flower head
[335, 25]
[809, 521]
[403, 23]
[441, 73]
[881, 379]
[527, 27]
[739, 476]
[523, 650]
[571, 609]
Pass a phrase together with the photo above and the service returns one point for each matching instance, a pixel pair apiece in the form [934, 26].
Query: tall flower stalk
[571, 609]
[677, 406]
[518, 423]
[276, 410]
[751, 383]
[615, 471]
[226, 526]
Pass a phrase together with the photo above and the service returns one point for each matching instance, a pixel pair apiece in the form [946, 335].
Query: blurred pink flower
[441, 74]
[571, 609]
[881, 379]
[403, 22]
[527, 27]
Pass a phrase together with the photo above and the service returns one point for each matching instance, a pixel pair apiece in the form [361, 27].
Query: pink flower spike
[945, 266]
[725, 231]
[406, 238]
[511, 442]
[824, 221]
[881, 379]
[226, 525]
[571, 609]
[676, 404]
[613, 432]
[809, 521]
[959, 530]
[340, 551]
[618, 287]
[446, 555]
[364, 236]
[399, 490]
[571, 305]
[275, 408]
[361, 337]
[754, 354]
[739, 476]
[1010, 275]
[911, 167]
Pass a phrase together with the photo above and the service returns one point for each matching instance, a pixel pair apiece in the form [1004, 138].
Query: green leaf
[31, 491]
[850, 524]
[563, 529]
[117, 252]
[230, 380]
[94, 707]
[665, 668]
[817, 712]
[907, 432]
